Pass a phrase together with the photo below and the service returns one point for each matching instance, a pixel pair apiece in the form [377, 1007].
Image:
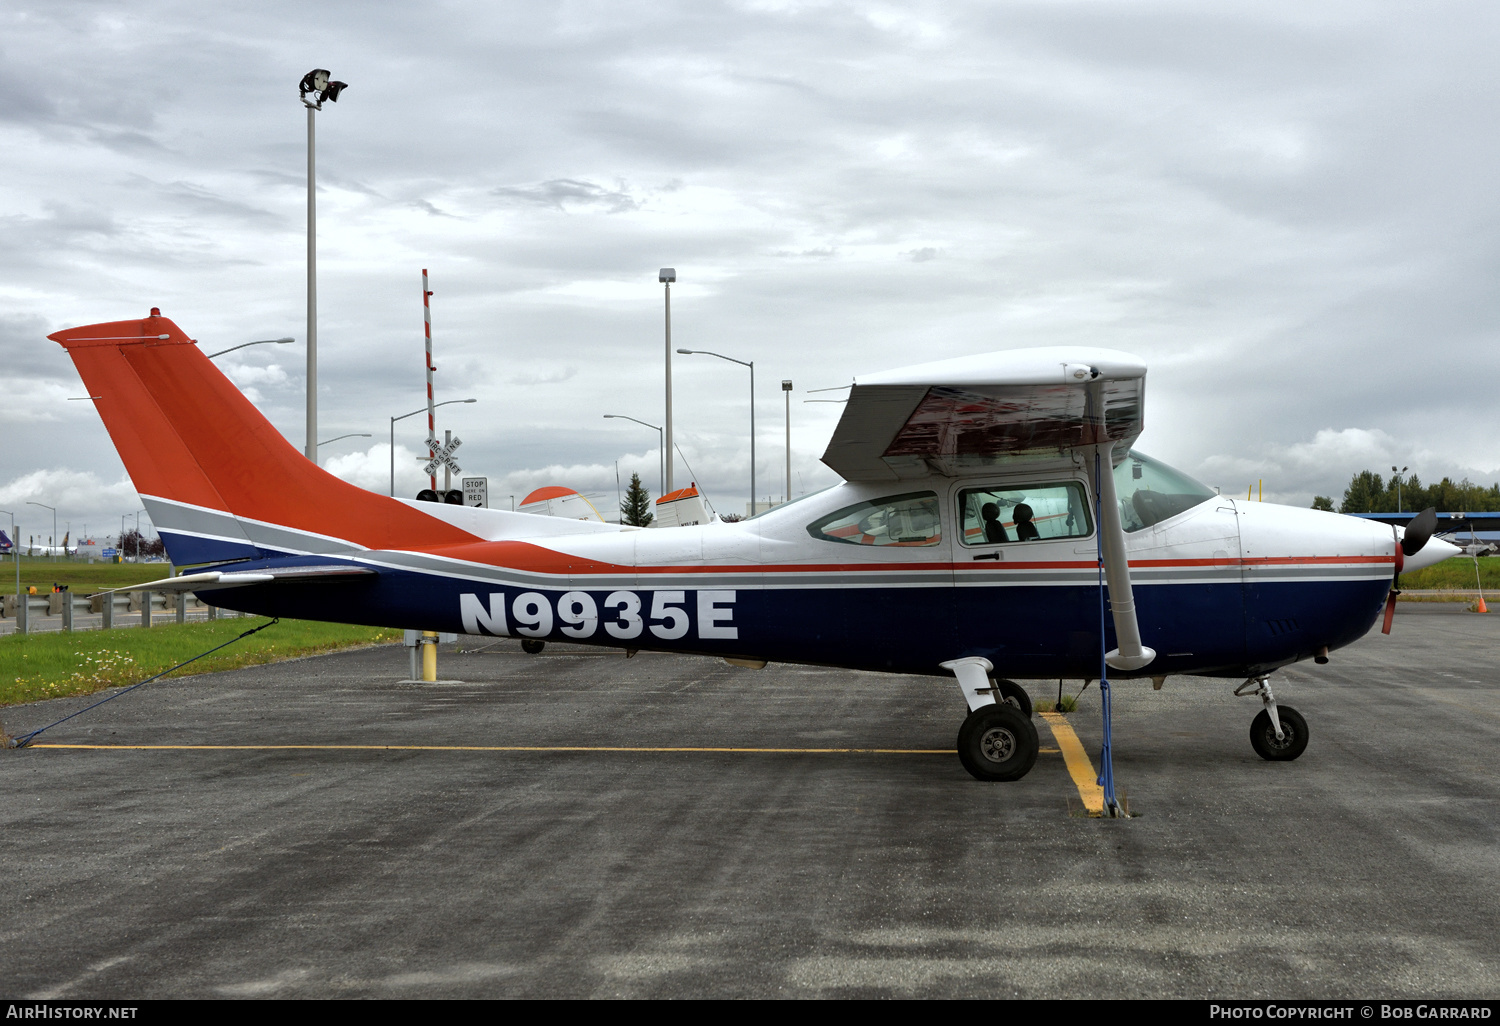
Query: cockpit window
[1150, 492]
[999, 514]
[911, 519]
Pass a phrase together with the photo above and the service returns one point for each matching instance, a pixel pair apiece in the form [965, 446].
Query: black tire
[1014, 695]
[1263, 735]
[531, 646]
[997, 743]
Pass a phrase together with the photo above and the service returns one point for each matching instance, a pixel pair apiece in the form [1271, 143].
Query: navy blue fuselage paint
[1027, 631]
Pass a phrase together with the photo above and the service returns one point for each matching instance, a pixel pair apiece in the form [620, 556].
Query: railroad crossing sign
[444, 457]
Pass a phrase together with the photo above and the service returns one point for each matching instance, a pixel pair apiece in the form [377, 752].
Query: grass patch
[1457, 572]
[79, 575]
[1068, 704]
[37, 666]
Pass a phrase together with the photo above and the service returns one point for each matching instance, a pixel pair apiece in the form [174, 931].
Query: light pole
[15, 550]
[54, 520]
[315, 82]
[340, 438]
[660, 463]
[1398, 474]
[786, 389]
[258, 342]
[138, 534]
[667, 276]
[751, 365]
[403, 416]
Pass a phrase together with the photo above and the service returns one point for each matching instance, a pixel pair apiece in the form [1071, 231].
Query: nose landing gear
[1278, 733]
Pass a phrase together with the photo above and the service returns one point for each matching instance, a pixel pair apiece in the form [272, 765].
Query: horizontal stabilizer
[216, 579]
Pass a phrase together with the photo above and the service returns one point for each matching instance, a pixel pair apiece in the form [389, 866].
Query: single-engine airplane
[989, 504]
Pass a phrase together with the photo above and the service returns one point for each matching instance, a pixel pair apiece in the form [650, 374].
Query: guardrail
[154, 607]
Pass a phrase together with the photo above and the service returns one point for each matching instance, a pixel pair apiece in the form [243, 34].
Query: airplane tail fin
[220, 482]
[5, 543]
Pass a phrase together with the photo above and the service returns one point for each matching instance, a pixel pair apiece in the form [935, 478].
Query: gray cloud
[561, 193]
[1287, 210]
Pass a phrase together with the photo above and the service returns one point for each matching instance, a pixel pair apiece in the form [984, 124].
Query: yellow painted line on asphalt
[1085, 777]
[510, 748]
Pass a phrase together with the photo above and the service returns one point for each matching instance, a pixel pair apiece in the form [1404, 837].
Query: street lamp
[15, 549]
[403, 416]
[786, 389]
[138, 533]
[1398, 474]
[258, 342]
[660, 463]
[667, 275]
[340, 438]
[54, 520]
[751, 365]
[316, 82]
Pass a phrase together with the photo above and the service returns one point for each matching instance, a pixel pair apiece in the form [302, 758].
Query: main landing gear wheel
[1294, 735]
[996, 742]
[531, 646]
[1013, 695]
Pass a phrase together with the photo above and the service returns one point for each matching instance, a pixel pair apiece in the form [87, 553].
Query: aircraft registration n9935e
[989, 505]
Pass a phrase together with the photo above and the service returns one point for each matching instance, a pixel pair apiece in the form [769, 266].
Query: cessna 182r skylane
[988, 505]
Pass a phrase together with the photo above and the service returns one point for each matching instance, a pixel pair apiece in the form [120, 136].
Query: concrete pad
[1368, 868]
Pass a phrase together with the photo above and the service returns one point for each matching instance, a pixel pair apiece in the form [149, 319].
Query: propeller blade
[1419, 530]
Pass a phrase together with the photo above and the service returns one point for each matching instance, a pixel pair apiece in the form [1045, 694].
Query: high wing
[965, 416]
[953, 418]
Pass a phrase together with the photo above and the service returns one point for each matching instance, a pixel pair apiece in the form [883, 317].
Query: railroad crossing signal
[444, 457]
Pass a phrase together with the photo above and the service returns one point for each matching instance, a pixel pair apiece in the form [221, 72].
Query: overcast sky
[1289, 210]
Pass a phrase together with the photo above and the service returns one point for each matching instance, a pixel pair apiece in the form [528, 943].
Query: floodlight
[317, 82]
[667, 274]
[786, 384]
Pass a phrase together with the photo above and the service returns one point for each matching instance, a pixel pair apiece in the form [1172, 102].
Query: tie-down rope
[1106, 753]
[26, 739]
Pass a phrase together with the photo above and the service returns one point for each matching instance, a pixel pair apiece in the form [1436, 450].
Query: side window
[910, 519]
[1030, 513]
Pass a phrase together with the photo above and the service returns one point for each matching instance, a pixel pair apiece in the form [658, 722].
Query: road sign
[444, 457]
[107, 553]
[477, 491]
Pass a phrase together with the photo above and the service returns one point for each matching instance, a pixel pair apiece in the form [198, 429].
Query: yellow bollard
[429, 655]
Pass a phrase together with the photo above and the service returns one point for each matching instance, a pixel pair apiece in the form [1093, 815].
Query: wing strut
[1131, 654]
[1114, 568]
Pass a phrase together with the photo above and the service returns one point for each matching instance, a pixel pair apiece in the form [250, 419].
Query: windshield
[1150, 491]
[783, 505]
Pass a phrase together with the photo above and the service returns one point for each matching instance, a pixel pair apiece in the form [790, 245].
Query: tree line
[1368, 492]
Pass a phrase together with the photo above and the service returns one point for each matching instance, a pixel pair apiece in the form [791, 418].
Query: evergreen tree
[1366, 494]
[1323, 502]
[636, 509]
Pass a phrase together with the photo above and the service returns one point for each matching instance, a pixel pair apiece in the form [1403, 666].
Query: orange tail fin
[219, 480]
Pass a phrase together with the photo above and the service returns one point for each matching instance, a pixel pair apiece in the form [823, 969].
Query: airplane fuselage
[1224, 588]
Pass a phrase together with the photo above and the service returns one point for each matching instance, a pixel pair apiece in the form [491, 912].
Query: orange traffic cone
[1481, 607]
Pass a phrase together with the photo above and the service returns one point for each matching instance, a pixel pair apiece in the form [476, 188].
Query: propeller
[1418, 532]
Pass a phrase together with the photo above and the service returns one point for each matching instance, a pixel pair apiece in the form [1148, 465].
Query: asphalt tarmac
[1369, 868]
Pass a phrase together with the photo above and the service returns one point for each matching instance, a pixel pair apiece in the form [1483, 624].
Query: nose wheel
[1278, 733]
[996, 742]
[1293, 740]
